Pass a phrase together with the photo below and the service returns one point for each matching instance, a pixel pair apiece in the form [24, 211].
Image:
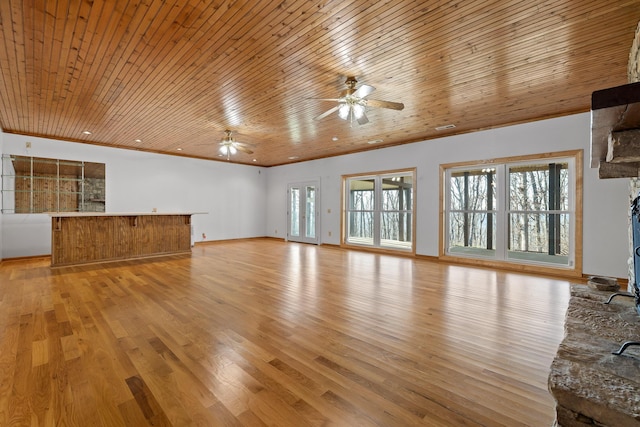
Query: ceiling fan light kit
[228, 149]
[351, 110]
[229, 146]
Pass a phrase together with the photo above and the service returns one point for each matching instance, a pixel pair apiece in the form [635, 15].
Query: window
[37, 185]
[379, 210]
[516, 210]
[471, 211]
[539, 212]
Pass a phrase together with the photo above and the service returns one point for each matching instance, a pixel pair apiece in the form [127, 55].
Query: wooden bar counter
[80, 238]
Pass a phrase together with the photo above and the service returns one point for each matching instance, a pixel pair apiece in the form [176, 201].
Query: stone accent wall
[633, 74]
[633, 69]
[94, 195]
[592, 387]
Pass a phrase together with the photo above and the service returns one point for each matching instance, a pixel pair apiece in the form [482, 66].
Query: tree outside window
[379, 210]
[520, 211]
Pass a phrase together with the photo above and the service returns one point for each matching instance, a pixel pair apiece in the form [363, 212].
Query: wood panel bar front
[88, 238]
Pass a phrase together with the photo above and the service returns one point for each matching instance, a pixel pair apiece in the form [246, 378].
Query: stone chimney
[633, 73]
[592, 383]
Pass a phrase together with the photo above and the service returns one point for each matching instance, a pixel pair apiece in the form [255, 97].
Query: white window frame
[377, 244]
[302, 214]
[502, 257]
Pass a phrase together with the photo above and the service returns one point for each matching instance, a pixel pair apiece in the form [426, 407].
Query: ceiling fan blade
[384, 104]
[363, 90]
[327, 113]
[363, 120]
[243, 149]
[326, 99]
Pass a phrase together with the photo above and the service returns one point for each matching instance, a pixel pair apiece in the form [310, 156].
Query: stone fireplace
[634, 182]
[592, 385]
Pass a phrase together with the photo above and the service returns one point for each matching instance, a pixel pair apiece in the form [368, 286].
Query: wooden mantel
[80, 238]
[615, 131]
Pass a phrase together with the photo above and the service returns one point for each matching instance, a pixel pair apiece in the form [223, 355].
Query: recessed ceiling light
[86, 132]
[335, 138]
[445, 127]
[255, 160]
[179, 149]
[137, 140]
[374, 141]
[293, 157]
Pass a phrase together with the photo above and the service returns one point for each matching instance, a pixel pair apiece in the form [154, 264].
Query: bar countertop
[80, 214]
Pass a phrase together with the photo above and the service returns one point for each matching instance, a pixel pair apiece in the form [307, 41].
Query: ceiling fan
[229, 146]
[353, 103]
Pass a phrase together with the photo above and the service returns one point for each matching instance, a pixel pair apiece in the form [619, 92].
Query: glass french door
[302, 212]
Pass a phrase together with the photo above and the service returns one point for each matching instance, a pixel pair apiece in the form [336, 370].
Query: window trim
[343, 210]
[512, 264]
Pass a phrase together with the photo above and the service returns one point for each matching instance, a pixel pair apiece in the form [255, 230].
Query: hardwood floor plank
[131, 411]
[151, 409]
[265, 332]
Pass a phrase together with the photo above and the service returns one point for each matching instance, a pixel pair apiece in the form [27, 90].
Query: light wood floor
[263, 332]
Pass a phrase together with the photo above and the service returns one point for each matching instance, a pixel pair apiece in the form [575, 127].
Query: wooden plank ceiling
[170, 76]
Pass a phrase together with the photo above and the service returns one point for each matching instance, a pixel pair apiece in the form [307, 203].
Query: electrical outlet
[28, 144]
[329, 234]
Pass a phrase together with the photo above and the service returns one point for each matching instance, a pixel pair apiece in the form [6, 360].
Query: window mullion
[502, 214]
[377, 209]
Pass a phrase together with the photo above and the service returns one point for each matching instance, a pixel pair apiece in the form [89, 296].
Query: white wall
[245, 201]
[605, 201]
[233, 195]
